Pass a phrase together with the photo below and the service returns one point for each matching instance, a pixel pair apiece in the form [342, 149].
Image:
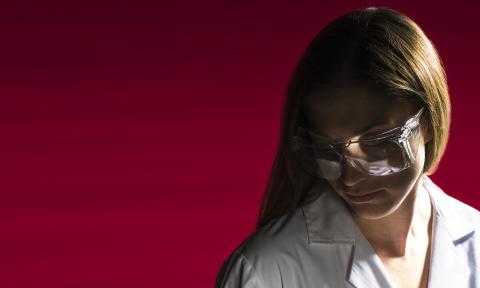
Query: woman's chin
[370, 212]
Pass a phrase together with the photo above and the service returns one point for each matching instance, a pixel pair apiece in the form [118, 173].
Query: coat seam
[255, 273]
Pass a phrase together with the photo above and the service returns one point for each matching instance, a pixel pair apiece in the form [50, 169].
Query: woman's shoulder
[278, 235]
[256, 257]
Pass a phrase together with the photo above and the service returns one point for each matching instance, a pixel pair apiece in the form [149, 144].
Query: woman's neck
[393, 235]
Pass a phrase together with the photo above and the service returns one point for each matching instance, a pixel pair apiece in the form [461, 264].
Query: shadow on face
[350, 111]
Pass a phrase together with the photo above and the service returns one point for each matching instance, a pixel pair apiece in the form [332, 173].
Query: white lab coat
[319, 245]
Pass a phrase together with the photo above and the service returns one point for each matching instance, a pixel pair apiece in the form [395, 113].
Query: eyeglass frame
[412, 123]
[400, 134]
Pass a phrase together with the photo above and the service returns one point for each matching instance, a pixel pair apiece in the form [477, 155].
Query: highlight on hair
[375, 45]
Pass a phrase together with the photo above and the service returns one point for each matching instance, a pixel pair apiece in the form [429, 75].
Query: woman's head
[365, 65]
[363, 113]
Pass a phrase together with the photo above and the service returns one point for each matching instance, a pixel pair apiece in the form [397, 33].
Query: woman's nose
[352, 175]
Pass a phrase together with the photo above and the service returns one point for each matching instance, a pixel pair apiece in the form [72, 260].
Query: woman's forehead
[352, 98]
[352, 108]
[344, 92]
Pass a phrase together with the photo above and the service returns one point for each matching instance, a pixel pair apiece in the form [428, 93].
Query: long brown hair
[377, 45]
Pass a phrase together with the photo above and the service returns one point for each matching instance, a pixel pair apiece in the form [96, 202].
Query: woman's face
[347, 112]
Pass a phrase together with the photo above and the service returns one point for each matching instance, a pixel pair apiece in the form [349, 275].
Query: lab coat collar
[329, 221]
[453, 224]
[457, 218]
[327, 218]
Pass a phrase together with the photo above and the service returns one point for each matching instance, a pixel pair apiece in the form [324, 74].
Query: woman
[349, 202]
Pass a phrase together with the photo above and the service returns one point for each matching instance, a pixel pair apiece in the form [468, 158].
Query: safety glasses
[382, 154]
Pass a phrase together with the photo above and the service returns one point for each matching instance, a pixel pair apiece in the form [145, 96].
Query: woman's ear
[425, 128]
[427, 132]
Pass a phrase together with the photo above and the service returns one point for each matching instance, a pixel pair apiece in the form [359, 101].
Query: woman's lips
[361, 198]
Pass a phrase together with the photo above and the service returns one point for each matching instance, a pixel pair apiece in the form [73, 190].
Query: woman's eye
[375, 142]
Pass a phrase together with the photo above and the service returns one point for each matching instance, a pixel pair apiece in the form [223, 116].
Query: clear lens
[387, 156]
[380, 156]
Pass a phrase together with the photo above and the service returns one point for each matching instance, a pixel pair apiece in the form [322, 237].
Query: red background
[137, 137]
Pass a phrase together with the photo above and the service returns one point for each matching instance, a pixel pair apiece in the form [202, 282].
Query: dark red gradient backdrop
[137, 137]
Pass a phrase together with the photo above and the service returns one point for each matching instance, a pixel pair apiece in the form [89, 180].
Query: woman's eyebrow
[370, 127]
[359, 131]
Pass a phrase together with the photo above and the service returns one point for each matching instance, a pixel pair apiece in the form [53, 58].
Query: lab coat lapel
[329, 222]
[367, 269]
[453, 225]
[447, 268]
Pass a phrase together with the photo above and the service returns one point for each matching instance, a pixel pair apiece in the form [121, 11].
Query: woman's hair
[373, 45]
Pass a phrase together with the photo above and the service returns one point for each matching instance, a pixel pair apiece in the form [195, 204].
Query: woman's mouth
[356, 198]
